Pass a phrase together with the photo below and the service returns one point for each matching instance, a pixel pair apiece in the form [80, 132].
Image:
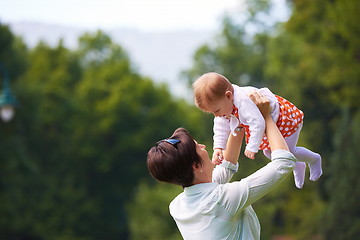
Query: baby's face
[222, 107]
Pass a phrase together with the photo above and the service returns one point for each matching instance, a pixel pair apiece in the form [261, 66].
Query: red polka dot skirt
[290, 118]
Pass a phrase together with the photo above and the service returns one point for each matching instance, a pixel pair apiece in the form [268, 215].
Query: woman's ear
[197, 168]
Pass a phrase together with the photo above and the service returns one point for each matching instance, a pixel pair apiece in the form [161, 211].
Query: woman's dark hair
[173, 163]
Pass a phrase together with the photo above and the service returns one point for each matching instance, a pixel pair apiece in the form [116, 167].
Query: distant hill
[159, 55]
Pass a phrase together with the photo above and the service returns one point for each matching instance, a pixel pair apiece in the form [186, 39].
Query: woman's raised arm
[240, 194]
[233, 146]
[276, 140]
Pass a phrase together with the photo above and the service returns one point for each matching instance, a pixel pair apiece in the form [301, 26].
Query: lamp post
[8, 101]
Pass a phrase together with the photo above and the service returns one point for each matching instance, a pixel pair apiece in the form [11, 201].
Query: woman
[210, 207]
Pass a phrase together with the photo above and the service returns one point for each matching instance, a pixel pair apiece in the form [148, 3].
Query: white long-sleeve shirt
[222, 210]
[249, 114]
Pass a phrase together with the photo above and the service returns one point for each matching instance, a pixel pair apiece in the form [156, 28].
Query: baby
[233, 108]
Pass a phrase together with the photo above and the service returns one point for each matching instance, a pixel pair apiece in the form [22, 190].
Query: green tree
[45, 161]
[302, 60]
[236, 53]
[13, 53]
[149, 217]
[234, 56]
[315, 60]
[77, 148]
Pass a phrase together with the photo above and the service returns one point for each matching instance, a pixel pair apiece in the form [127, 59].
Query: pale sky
[147, 15]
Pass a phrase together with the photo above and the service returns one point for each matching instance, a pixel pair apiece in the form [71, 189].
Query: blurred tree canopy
[313, 60]
[76, 150]
[73, 159]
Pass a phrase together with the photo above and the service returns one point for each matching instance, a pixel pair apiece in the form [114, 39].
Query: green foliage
[13, 53]
[149, 213]
[313, 60]
[240, 60]
[73, 155]
[343, 186]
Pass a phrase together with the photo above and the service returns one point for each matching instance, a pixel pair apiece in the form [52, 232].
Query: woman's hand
[261, 102]
[272, 132]
[217, 156]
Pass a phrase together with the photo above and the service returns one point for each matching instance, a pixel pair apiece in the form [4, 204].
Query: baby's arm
[252, 116]
[221, 132]
[221, 135]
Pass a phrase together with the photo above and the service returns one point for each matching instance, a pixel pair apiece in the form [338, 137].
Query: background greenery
[73, 159]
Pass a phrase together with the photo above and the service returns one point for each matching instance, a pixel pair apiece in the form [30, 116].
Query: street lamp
[8, 101]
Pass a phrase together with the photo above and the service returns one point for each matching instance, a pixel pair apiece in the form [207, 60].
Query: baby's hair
[209, 88]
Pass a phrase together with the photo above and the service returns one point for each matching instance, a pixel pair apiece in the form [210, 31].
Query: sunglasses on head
[169, 140]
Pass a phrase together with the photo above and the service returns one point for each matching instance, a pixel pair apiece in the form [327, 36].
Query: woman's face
[208, 165]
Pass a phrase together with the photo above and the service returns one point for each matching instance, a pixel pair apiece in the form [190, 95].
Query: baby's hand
[249, 154]
[217, 156]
